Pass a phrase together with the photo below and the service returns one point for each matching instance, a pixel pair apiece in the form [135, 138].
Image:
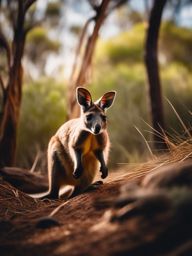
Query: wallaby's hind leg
[55, 169]
[54, 177]
[54, 182]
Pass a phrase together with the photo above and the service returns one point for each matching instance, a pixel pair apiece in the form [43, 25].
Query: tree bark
[24, 180]
[11, 109]
[10, 118]
[151, 61]
[12, 93]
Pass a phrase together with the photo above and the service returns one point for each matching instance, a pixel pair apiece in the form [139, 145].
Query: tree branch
[2, 85]
[5, 45]
[32, 26]
[94, 5]
[91, 42]
[78, 49]
[21, 13]
[116, 5]
[28, 4]
[102, 12]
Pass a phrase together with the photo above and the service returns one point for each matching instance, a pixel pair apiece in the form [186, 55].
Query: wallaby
[79, 145]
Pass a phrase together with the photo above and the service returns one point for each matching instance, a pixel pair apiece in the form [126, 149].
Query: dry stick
[171, 136]
[147, 144]
[3, 120]
[158, 166]
[166, 139]
[183, 159]
[161, 135]
[176, 136]
[35, 162]
[2, 85]
[155, 131]
[58, 208]
[179, 118]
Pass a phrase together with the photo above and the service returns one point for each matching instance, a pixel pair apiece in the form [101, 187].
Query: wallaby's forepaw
[78, 172]
[104, 171]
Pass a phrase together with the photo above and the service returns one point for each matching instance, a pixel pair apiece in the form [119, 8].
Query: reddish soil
[84, 227]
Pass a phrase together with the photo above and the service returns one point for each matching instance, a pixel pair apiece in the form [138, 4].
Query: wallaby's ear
[106, 101]
[83, 97]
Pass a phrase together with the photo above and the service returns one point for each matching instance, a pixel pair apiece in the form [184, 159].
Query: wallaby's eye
[89, 117]
[104, 118]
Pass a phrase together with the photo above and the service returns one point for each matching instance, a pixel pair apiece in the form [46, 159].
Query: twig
[58, 208]
[35, 162]
[147, 144]
[2, 84]
[28, 4]
[179, 118]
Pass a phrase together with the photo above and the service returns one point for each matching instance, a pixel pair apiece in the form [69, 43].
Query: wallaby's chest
[90, 144]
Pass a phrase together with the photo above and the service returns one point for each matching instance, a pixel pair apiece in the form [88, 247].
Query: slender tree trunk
[82, 75]
[12, 92]
[10, 119]
[151, 60]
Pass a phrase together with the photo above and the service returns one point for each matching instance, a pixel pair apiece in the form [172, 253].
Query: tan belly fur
[90, 164]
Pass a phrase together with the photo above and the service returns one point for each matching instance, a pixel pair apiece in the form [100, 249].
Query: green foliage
[126, 47]
[53, 9]
[119, 65]
[75, 29]
[39, 37]
[176, 44]
[43, 111]
[39, 43]
[135, 17]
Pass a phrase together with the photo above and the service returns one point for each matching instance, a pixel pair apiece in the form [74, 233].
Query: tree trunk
[12, 92]
[11, 109]
[151, 61]
[10, 119]
[82, 76]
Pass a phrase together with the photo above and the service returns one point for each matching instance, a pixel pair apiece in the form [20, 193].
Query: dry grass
[177, 153]
[15, 204]
[81, 222]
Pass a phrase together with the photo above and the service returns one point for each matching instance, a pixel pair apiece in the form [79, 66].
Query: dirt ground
[93, 223]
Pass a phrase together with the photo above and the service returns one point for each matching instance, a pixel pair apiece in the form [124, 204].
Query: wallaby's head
[94, 113]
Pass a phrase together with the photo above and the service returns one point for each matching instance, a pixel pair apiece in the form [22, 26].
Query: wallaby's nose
[97, 128]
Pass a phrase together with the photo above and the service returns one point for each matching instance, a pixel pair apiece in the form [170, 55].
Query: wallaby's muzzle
[96, 129]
